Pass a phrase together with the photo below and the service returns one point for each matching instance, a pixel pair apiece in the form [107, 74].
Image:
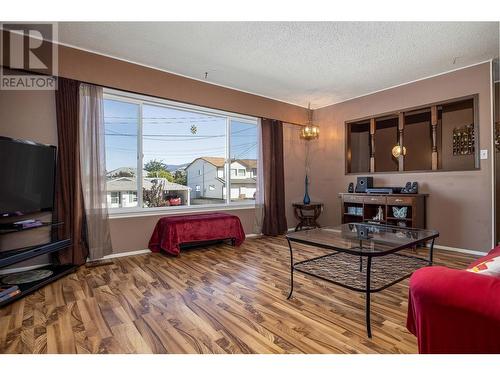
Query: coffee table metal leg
[291, 269]
[367, 309]
[431, 251]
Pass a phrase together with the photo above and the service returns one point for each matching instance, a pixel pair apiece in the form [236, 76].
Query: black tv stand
[10, 257]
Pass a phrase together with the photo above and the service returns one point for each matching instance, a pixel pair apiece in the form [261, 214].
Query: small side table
[307, 214]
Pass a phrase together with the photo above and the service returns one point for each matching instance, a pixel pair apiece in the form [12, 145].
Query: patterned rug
[345, 269]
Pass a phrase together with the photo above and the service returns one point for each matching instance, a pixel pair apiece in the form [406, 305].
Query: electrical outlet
[484, 154]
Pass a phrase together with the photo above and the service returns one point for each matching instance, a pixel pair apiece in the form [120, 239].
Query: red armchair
[455, 311]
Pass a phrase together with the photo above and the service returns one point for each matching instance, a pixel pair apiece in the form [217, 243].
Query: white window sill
[162, 211]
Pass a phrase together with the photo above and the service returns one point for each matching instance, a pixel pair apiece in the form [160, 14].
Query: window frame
[116, 197]
[140, 100]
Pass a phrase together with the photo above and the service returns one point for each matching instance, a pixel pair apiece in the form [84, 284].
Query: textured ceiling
[296, 62]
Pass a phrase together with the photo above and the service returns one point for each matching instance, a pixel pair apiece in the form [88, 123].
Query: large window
[163, 154]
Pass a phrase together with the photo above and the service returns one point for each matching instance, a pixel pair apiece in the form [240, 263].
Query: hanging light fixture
[397, 152]
[310, 131]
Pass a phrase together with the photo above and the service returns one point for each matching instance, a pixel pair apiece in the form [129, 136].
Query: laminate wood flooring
[216, 299]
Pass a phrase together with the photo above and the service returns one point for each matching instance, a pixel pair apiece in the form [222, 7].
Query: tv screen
[27, 172]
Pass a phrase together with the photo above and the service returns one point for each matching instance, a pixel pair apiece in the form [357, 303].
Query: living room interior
[276, 196]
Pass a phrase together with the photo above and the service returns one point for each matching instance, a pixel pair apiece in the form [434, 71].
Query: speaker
[363, 232]
[363, 183]
[410, 188]
[350, 189]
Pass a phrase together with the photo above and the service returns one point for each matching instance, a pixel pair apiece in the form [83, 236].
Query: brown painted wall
[385, 139]
[31, 115]
[129, 234]
[109, 72]
[105, 71]
[460, 204]
[360, 157]
[294, 155]
[418, 142]
[133, 233]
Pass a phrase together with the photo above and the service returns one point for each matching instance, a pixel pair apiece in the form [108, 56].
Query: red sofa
[455, 311]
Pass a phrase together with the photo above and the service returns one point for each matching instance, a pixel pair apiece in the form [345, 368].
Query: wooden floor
[209, 300]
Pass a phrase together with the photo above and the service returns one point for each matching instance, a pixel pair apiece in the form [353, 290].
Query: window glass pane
[182, 153]
[244, 148]
[121, 120]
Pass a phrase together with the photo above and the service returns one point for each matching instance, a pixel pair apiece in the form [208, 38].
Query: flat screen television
[27, 177]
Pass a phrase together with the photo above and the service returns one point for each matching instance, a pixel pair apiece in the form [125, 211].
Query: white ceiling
[296, 62]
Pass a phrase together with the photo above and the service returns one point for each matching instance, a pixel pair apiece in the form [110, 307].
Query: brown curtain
[274, 178]
[69, 195]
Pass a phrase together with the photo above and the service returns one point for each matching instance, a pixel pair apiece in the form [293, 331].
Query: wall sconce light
[310, 131]
[396, 151]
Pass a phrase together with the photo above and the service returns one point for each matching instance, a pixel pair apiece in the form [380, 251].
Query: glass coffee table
[364, 258]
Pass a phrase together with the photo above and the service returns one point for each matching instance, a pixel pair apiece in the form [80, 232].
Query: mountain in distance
[131, 171]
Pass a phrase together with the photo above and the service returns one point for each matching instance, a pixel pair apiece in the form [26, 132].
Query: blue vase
[307, 199]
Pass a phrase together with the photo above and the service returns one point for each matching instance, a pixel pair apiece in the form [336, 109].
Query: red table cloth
[454, 311]
[172, 231]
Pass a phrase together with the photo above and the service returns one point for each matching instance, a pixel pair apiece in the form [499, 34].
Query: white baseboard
[21, 269]
[146, 251]
[125, 254]
[458, 250]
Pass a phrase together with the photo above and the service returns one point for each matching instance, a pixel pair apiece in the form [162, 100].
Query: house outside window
[241, 172]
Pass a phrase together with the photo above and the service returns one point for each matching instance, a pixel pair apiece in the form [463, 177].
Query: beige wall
[28, 115]
[460, 204]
